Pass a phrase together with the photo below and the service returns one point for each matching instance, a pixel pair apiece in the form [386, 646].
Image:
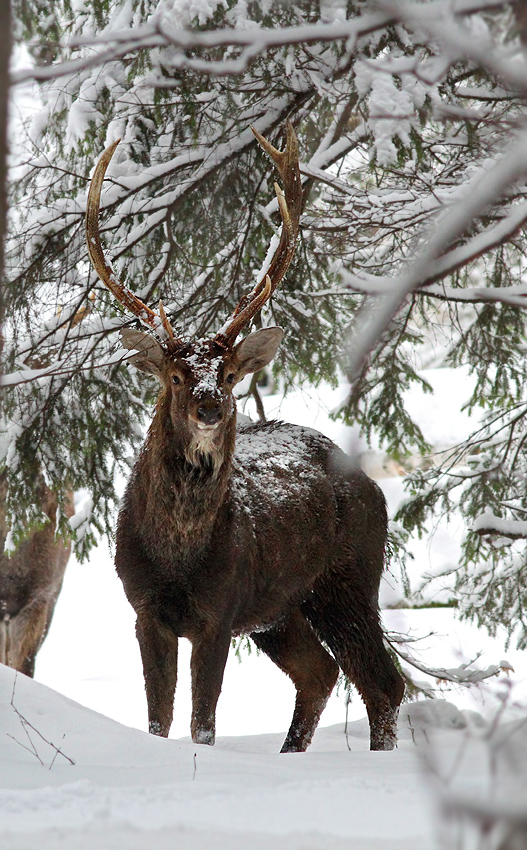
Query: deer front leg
[158, 645]
[209, 656]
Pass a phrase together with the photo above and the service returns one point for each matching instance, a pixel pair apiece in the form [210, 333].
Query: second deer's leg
[294, 647]
[209, 656]
[158, 645]
[24, 636]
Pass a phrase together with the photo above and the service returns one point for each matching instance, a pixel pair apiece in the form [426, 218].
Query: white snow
[127, 789]
[205, 369]
[502, 526]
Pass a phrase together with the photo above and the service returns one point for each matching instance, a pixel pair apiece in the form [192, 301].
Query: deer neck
[185, 487]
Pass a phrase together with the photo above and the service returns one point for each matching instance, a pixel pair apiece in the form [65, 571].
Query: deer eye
[230, 378]
[176, 379]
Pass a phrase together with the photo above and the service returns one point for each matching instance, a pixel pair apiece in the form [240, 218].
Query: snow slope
[127, 787]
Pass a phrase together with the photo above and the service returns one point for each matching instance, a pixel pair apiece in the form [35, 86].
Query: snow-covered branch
[452, 261]
[160, 33]
[58, 368]
[112, 45]
[466, 674]
[484, 190]
[490, 524]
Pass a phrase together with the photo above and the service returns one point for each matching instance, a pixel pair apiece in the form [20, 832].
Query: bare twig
[412, 730]
[348, 701]
[26, 725]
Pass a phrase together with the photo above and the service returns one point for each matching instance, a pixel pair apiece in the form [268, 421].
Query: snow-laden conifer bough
[31, 576]
[271, 531]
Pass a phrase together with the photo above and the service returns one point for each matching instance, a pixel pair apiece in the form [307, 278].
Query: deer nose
[209, 414]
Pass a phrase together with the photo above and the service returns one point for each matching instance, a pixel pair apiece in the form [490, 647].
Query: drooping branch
[483, 190]
[115, 45]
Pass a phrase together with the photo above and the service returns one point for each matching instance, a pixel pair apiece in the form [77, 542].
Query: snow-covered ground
[128, 789]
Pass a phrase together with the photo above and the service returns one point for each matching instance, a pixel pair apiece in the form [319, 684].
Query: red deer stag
[269, 531]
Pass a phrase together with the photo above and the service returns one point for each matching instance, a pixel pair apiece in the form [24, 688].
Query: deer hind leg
[349, 624]
[294, 647]
[159, 646]
[24, 635]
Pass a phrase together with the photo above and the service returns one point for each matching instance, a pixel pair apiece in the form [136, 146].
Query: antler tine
[254, 302]
[290, 206]
[169, 330]
[156, 322]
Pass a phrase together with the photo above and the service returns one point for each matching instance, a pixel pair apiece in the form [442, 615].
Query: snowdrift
[127, 788]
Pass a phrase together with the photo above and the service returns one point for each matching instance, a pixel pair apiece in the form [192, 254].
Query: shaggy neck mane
[184, 485]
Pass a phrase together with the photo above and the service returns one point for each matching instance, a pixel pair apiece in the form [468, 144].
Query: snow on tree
[412, 127]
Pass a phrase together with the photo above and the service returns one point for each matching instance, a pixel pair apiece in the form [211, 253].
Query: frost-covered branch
[488, 523]
[485, 189]
[160, 33]
[115, 44]
[465, 674]
[441, 21]
[449, 263]
[58, 368]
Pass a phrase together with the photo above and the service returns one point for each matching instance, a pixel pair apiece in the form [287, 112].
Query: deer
[269, 530]
[31, 580]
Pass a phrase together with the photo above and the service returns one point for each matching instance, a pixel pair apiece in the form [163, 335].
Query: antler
[155, 321]
[290, 206]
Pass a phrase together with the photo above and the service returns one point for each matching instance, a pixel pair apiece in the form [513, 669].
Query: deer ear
[257, 350]
[150, 354]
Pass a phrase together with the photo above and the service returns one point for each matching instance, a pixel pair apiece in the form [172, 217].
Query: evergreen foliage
[411, 130]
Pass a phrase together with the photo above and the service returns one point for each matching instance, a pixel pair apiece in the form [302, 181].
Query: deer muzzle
[209, 415]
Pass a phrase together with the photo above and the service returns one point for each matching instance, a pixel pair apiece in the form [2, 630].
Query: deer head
[198, 376]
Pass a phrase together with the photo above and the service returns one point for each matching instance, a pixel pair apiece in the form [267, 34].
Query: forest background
[412, 127]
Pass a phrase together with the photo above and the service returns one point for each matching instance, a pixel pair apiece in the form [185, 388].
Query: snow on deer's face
[199, 379]
[203, 376]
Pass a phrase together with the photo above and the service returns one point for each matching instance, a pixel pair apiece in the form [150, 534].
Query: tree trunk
[5, 54]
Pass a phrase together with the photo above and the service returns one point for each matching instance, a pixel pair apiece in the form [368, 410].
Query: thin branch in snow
[465, 674]
[26, 726]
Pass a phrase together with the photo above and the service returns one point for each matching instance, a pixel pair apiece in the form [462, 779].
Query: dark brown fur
[281, 538]
[30, 583]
